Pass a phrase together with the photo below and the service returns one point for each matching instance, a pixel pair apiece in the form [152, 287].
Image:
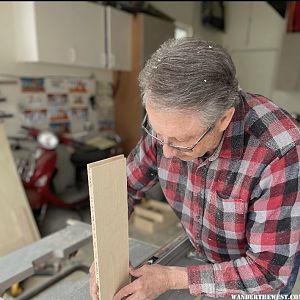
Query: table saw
[25, 262]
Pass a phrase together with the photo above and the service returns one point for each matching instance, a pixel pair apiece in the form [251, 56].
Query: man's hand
[94, 291]
[93, 283]
[153, 280]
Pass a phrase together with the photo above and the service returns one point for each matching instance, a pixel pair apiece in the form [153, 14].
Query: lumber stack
[153, 216]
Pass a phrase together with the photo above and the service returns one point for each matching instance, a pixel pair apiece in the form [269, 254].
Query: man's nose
[168, 151]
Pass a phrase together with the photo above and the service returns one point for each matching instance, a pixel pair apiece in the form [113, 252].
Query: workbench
[23, 263]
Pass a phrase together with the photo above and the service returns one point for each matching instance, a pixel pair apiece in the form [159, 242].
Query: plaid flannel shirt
[240, 207]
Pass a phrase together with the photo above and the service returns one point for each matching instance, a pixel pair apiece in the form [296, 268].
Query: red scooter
[39, 170]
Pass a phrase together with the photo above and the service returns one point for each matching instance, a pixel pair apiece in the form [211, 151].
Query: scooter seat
[80, 158]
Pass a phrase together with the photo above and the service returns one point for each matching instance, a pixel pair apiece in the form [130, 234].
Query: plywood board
[17, 224]
[109, 215]
[155, 210]
[153, 216]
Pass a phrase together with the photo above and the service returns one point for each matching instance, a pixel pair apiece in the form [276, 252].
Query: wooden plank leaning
[17, 225]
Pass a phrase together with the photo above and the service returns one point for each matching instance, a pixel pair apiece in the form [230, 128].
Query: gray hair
[190, 74]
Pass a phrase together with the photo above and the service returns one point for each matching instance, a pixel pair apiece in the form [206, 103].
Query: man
[228, 164]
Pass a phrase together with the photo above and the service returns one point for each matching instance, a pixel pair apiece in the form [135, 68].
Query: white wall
[189, 13]
[254, 33]
[181, 11]
[254, 38]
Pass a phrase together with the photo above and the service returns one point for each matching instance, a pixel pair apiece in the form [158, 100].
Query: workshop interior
[69, 97]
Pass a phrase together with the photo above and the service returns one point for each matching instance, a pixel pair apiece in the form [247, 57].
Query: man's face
[179, 128]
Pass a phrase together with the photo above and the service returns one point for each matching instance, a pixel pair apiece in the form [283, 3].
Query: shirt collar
[217, 151]
[232, 144]
[232, 141]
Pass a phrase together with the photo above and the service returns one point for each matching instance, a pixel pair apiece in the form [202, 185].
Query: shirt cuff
[201, 280]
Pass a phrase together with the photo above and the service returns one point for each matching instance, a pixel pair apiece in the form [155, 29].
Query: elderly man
[228, 164]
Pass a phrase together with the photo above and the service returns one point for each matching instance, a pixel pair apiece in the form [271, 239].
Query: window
[182, 30]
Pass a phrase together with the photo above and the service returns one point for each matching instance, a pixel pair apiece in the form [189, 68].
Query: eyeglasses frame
[179, 148]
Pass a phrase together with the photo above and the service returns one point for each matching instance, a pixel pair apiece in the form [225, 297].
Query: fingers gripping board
[109, 215]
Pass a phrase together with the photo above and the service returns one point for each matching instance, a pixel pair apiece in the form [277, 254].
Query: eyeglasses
[179, 148]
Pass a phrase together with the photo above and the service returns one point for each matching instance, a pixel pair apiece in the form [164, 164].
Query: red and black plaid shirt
[240, 207]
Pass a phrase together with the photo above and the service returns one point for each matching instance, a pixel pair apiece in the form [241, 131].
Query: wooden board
[155, 210]
[152, 216]
[109, 215]
[17, 224]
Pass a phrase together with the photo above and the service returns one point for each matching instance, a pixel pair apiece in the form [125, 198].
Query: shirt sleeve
[273, 234]
[141, 170]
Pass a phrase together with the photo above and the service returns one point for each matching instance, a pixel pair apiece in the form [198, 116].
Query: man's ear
[226, 118]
